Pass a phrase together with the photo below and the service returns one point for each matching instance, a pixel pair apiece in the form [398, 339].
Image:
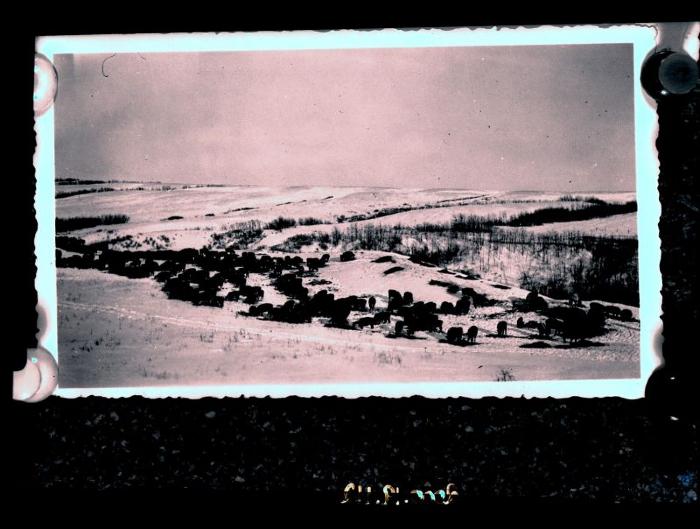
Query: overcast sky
[526, 117]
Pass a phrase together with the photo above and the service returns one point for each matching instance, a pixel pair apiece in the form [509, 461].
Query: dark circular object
[650, 74]
[678, 73]
[669, 395]
[668, 73]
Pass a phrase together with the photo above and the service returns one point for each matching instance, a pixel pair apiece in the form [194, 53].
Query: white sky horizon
[223, 184]
[516, 118]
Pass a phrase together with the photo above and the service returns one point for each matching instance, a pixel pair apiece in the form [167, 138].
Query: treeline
[463, 224]
[568, 239]
[66, 194]
[78, 181]
[282, 223]
[80, 223]
[581, 198]
[384, 212]
[609, 273]
[486, 223]
[549, 215]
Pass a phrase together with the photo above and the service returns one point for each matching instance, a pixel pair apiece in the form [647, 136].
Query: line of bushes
[384, 212]
[80, 223]
[558, 214]
[485, 223]
[580, 198]
[78, 181]
[310, 221]
[66, 194]
[281, 223]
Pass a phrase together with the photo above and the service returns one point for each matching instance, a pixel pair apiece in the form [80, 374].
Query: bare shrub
[280, 223]
[505, 375]
[238, 236]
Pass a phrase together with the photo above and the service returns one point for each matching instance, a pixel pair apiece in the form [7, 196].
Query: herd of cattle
[200, 277]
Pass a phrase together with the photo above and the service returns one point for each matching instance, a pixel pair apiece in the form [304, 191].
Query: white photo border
[642, 38]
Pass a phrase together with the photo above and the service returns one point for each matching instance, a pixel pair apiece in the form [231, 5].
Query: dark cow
[554, 326]
[291, 285]
[596, 318]
[234, 295]
[176, 288]
[574, 300]
[535, 302]
[209, 299]
[321, 303]
[172, 266]
[313, 264]
[395, 299]
[163, 276]
[372, 303]
[471, 334]
[407, 298]
[261, 310]
[192, 275]
[236, 277]
[520, 323]
[354, 302]
[339, 313]
[454, 335]
[251, 294]
[294, 312]
[447, 308]
[360, 305]
[462, 305]
[265, 264]
[420, 319]
[382, 317]
[187, 255]
[576, 326]
[364, 322]
[502, 328]
[417, 308]
[478, 300]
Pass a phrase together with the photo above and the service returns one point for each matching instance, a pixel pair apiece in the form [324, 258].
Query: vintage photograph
[345, 216]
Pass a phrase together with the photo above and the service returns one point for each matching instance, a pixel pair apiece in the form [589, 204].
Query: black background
[301, 452]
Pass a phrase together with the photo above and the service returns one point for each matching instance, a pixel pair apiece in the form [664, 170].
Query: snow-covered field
[210, 209]
[115, 331]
